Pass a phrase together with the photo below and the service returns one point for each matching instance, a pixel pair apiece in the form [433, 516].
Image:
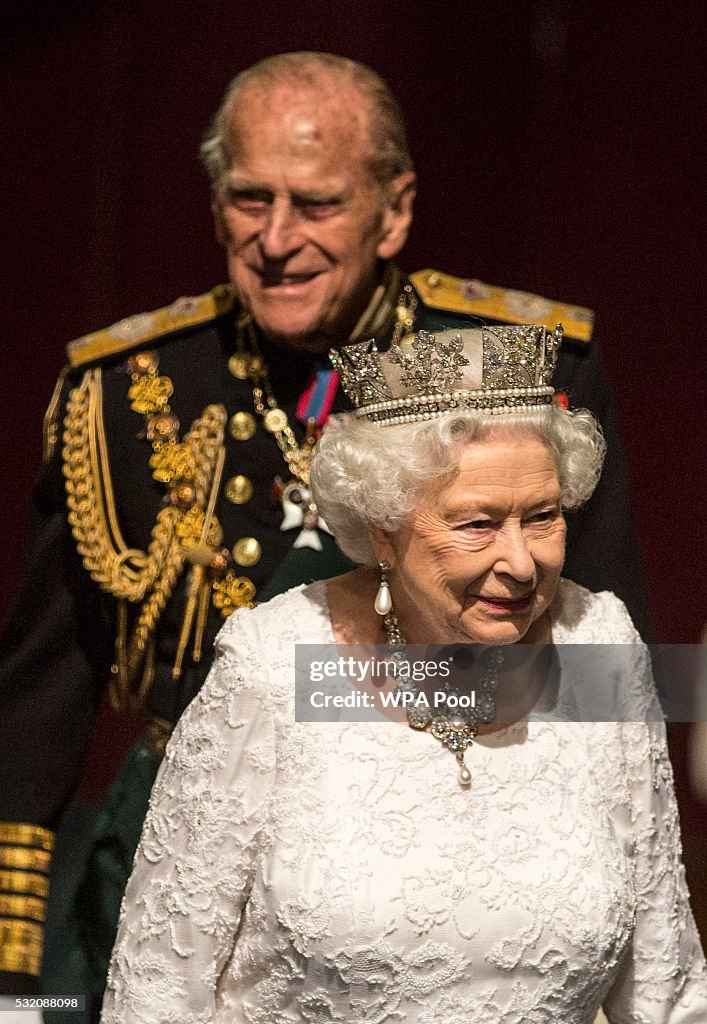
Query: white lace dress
[298, 872]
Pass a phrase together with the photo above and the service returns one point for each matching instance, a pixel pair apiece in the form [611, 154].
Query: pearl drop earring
[384, 602]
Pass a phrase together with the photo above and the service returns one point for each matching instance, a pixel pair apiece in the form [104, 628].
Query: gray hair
[366, 475]
[389, 154]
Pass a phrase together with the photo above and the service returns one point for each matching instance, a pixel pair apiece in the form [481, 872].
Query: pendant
[464, 773]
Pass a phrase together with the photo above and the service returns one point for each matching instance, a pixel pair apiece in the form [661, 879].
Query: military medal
[299, 510]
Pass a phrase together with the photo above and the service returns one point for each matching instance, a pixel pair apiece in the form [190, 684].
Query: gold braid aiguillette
[188, 468]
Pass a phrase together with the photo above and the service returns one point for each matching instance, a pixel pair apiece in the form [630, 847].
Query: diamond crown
[496, 369]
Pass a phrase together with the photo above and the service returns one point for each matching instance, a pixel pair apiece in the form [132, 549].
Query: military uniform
[122, 588]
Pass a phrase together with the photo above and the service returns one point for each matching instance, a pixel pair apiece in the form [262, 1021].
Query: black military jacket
[58, 647]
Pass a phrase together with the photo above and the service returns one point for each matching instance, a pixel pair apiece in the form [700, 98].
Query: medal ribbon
[317, 400]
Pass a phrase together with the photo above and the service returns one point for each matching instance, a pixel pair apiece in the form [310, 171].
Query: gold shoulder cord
[192, 468]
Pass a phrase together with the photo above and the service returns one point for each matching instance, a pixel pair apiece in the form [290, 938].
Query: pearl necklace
[456, 731]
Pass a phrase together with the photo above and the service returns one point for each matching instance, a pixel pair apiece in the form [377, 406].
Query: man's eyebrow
[236, 184]
[333, 195]
[301, 197]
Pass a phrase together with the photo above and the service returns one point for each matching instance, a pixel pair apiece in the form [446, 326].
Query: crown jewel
[494, 369]
[429, 360]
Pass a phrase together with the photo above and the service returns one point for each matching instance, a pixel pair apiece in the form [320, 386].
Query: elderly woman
[352, 872]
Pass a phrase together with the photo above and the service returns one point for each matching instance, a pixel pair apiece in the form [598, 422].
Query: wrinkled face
[301, 218]
[479, 560]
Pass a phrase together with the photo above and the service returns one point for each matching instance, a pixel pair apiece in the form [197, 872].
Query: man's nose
[279, 236]
[514, 557]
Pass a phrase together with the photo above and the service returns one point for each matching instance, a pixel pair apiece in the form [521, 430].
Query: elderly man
[178, 449]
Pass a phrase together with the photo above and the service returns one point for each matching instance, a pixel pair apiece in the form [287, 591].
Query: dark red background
[556, 143]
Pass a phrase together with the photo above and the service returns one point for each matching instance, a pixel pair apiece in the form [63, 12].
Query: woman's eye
[475, 524]
[542, 517]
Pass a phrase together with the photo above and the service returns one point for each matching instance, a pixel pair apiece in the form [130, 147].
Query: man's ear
[382, 545]
[397, 215]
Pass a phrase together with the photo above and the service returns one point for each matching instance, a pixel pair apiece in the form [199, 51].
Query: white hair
[367, 475]
[388, 154]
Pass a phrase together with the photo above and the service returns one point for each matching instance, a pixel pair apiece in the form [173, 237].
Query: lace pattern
[302, 872]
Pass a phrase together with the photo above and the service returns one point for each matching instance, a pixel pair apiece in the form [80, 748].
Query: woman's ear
[382, 544]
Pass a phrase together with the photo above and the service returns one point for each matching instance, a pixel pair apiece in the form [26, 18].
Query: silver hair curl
[388, 154]
[365, 475]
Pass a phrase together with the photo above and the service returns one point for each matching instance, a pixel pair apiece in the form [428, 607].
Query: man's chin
[303, 332]
[310, 339]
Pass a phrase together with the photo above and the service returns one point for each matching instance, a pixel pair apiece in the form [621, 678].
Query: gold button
[242, 426]
[434, 280]
[238, 365]
[244, 364]
[275, 420]
[246, 551]
[238, 490]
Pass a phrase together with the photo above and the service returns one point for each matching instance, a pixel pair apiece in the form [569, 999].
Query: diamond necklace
[455, 731]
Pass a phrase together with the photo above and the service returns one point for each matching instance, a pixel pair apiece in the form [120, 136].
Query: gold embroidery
[233, 592]
[26, 858]
[129, 574]
[20, 946]
[18, 833]
[138, 331]
[23, 907]
[150, 394]
[171, 462]
[456, 295]
[24, 881]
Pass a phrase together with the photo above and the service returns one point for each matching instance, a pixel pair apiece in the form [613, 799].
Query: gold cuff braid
[29, 907]
[26, 882]
[17, 833]
[26, 858]
[20, 946]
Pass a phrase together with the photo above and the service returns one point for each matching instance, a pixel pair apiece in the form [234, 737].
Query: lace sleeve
[194, 865]
[662, 979]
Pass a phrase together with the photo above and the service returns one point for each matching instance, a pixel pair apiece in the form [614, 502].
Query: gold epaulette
[25, 856]
[136, 331]
[467, 295]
